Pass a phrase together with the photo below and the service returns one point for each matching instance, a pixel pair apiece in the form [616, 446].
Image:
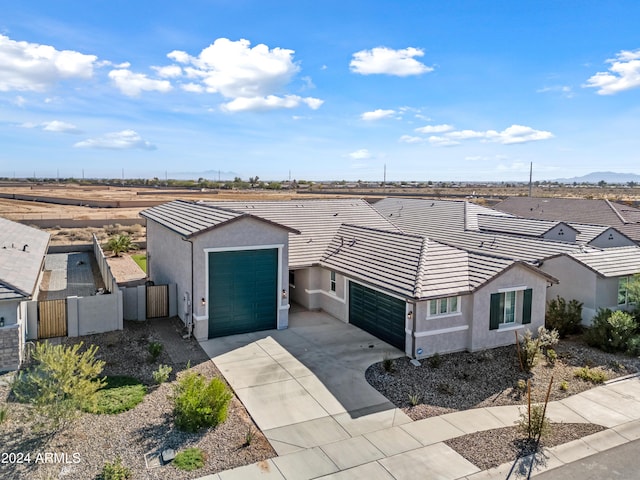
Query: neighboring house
[624, 218]
[22, 252]
[589, 261]
[242, 263]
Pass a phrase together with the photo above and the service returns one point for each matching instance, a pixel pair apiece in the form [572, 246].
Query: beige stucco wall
[171, 263]
[481, 337]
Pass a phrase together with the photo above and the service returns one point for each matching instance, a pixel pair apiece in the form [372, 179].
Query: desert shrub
[611, 331]
[249, 436]
[189, 459]
[199, 404]
[551, 356]
[446, 388]
[414, 399]
[590, 375]
[564, 386]
[521, 385]
[531, 347]
[62, 381]
[115, 471]
[155, 349]
[118, 395]
[633, 346]
[435, 361]
[387, 363]
[4, 414]
[120, 243]
[534, 422]
[161, 375]
[563, 316]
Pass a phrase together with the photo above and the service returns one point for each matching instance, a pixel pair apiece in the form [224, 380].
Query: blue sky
[446, 90]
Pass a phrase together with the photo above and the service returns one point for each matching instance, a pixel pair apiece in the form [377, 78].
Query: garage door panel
[377, 313]
[242, 291]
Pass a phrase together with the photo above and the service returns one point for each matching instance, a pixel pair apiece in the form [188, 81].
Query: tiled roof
[411, 265]
[22, 249]
[624, 218]
[316, 220]
[612, 262]
[193, 218]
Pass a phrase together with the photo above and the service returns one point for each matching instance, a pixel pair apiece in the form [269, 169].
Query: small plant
[564, 386]
[115, 471]
[4, 413]
[435, 361]
[248, 436]
[521, 385]
[155, 349]
[120, 243]
[161, 375]
[551, 356]
[590, 375]
[118, 395]
[198, 404]
[633, 346]
[529, 348]
[446, 388]
[463, 375]
[387, 363]
[189, 459]
[612, 331]
[414, 399]
[534, 422]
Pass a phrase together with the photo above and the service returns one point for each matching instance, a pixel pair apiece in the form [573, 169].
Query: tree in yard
[120, 243]
[62, 381]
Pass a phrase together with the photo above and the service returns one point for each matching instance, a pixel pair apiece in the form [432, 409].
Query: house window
[444, 306]
[623, 290]
[510, 307]
[332, 283]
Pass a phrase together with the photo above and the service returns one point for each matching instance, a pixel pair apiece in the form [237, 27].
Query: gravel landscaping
[149, 427]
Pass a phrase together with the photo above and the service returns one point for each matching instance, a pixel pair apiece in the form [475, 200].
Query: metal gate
[157, 301]
[52, 318]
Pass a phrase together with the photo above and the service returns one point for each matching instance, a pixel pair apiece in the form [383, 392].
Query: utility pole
[384, 178]
[530, 177]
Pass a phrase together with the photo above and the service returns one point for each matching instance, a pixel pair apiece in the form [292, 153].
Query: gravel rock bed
[471, 380]
[148, 427]
[491, 448]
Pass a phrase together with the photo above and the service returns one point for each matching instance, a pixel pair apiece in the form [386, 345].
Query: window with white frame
[510, 307]
[444, 306]
[332, 281]
[623, 290]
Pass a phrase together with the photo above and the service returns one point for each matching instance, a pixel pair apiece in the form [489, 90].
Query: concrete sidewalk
[306, 390]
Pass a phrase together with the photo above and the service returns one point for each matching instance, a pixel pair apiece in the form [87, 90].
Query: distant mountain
[596, 177]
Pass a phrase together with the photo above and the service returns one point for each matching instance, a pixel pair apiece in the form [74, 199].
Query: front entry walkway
[305, 386]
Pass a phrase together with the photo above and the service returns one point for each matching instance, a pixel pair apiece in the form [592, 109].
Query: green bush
[633, 346]
[118, 395]
[155, 349]
[531, 347]
[534, 424]
[62, 381]
[4, 414]
[590, 375]
[387, 363]
[611, 331]
[199, 404]
[161, 375]
[435, 361]
[551, 356]
[189, 459]
[564, 385]
[563, 316]
[115, 471]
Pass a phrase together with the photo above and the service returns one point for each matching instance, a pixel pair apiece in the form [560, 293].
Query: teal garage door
[242, 291]
[379, 314]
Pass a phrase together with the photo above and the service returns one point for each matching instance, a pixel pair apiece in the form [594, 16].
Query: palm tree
[120, 243]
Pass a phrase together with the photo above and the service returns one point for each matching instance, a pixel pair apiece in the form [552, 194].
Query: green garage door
[242, 291]
[379, 314]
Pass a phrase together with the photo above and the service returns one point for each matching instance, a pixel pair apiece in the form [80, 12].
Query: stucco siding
[9, 310]
[482, 337]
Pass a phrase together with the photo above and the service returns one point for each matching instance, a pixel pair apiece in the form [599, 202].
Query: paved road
[618, 463]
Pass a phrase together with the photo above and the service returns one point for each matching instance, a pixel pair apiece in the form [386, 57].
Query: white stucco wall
[9, 310]
[481, 337]
[611, 238]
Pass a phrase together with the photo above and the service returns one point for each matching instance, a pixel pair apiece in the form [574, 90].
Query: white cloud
[377, 114]
[411, 139]
[508, 136]
[54, 126]
[435, 128]
[388, 61]
[623, 74]
[564, 90]
[514, 167]
[253, 78]
[270, 102]
[19, 101]
[442, 141]
[124, 140]
[360, 154]
[34, 67]
[132, 84]
[169, 71]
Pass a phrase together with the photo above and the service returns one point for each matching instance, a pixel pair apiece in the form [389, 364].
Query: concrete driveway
[305, 386]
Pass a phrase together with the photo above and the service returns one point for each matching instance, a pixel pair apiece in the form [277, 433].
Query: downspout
[190, 322]
[414, 319]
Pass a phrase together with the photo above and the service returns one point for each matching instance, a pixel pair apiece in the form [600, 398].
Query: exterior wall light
[410, 315]
[203, 302]
[284, 293]
[1, 321]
